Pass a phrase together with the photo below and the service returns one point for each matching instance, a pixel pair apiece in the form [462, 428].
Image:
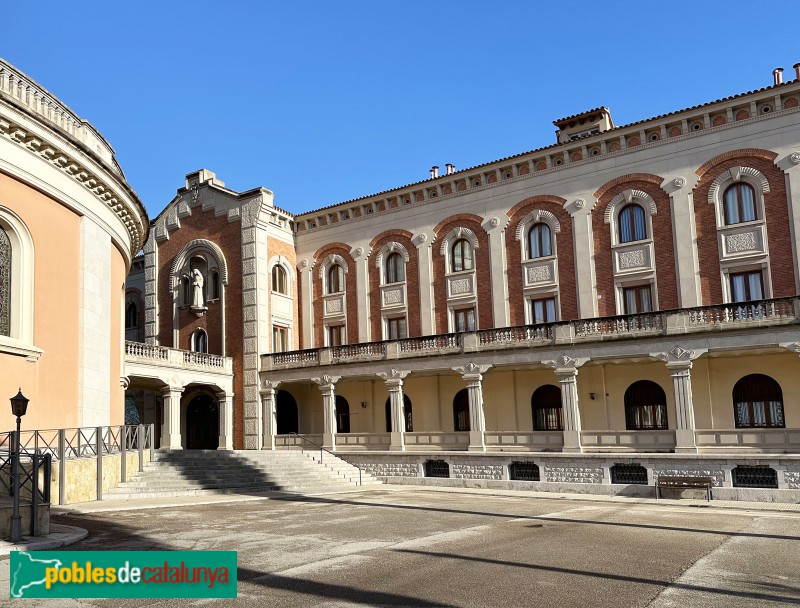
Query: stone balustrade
[162, 356]
[773, 312]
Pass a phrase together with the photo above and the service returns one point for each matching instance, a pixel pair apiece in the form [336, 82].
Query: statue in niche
[198, 302]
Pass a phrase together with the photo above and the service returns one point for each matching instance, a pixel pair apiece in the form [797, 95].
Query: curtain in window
[540, 241]
[758, 402]
[731, 206]
[639, 229]
[632, 224]
[738, 287]
[544, 311]
[754, 280]
[739, 203]
[395, 269]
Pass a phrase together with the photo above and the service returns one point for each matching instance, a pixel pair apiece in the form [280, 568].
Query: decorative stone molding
[196, 246]
[326, 380]
[535, 216]
[271, 385]
[388, 249]
[459, 233]
[679, 182]
[566, 364]
[303, 263]
[330, 260]
[420, 239]
[393, 375]
[472, 369]
[735, 174]
[679, 356]
[577, 205]
[629, 196]
[794, 158]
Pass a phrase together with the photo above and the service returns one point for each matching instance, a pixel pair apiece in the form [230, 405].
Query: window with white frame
[395, 268]
[391, 261]
[464, 319]
[461, 257]
[280, 339]
[396, 328]
[537, 233]
[336, 335]
[16, 285]
[540, 241]
[6, 258]
[458, 248]
[632, 224]
[739, 204]
[746, 286]
[637, 299]
[335, 279]
[198, 342]
[542, 310]
[279, 282]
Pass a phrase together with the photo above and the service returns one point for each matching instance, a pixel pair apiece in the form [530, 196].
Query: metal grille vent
[754, 477]
[437, 468]
[629, 474]
[524, 471]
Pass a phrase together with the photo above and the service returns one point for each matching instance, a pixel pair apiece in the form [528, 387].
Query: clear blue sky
[325, 101]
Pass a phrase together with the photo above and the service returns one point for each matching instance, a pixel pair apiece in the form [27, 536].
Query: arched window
[406, 415]
[186, 291]
[131, 316]
[5, 284]
[213, 285]
[758, 402]
[395, 268]
[546, 408]
[461, 411]
[279, 282]
[335, 279]
[540, 242]
[461, 256]
[739, 203]
[199, 341]
[632, 224]
[645, 406]
[342, 415]
[285, 413]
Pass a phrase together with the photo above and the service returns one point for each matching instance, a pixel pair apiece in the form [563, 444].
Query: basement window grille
[524, 471]
[754, 477]
[629, 474]
[437, 468]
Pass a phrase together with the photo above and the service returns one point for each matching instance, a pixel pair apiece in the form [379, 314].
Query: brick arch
[662, 241]
[776, 206]
[456, 218]
[482, 271]
[647, 178]
[412, 283]
[387, 234]
[752, 153]
[350, 289]
[539, 198]
[567, 290]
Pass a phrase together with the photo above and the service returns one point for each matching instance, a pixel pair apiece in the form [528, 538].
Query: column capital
[326, 381]
[564, 365]
[472, 371]
[270, 385]
[792, 346]
[394, 376]
[171, 389]
[679, 358]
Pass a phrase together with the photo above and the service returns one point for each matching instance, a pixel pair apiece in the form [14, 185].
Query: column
[497, 259]
[687, 265]
[426, 300]
[225, 405]
[791, 165]
[583, 244]
[171, 427]
[394, 382]
[473, 376]
[679, 363]
[566, 369]
[327, 386]
[305, 283]
[268, 416]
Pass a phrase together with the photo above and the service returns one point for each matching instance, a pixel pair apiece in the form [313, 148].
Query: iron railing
[322, 449]
[34, 481]
[62, 445]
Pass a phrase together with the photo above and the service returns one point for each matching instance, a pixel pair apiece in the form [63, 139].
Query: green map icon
[28, 571]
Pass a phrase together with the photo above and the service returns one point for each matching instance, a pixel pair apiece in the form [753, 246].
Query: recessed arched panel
[461, 411]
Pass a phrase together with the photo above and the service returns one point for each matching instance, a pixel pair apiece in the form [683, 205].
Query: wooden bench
[680, 482]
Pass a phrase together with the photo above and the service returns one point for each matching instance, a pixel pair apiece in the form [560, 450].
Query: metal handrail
[322, 449]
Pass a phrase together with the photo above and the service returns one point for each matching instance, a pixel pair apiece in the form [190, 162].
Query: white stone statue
[197, 292]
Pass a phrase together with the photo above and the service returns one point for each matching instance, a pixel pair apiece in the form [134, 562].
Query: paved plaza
[417, 547]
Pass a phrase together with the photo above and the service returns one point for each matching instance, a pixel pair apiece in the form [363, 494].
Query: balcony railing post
[123, 449]
[62, 466]
[98, 442]
[140, 444]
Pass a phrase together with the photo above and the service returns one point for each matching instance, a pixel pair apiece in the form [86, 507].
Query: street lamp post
[19, 405]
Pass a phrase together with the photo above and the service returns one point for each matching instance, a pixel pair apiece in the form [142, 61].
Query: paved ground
[414, 547]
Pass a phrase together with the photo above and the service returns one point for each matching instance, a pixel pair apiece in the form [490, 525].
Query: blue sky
[326, 101]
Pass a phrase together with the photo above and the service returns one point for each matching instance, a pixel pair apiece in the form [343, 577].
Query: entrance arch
[461, 411]
[406, 415]
[202, 423]
[286, 413]
[342, 415]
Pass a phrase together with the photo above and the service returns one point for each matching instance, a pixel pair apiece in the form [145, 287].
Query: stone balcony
[655, 326]
[162, 356]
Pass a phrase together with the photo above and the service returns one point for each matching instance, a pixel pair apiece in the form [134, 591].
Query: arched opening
[645, 406]
[131, 315]
[540, 243]
[546, 408]
[395, 268]
[632, 224]
[406, 414]
[202, 423]
[758, 402]
[335, 279]
[342, 415]
[461, 256]
[279, 283]
[461, 411]
[286, 413]
[198, 342]
[739, 203]
[133, 415]
[213, 285]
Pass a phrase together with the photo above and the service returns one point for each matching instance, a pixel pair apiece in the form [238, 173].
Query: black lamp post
[19, 405]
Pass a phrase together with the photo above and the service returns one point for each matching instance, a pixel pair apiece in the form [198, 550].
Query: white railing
[650, 322]
[515, 335]
[437, 441]
[537, 441]
[151, 354]
[146, 351]
[354, 352]
[752, 440]
[297, 357]
[203, 359]
[628, 441]
[295, 441]
[364, 441]
[429, 344]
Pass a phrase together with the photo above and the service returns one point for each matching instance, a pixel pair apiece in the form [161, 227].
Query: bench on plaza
[681, 482]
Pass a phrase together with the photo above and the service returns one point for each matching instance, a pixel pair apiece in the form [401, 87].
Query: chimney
[777, 75]
[450, 168]
[434, 172]
[796, 67]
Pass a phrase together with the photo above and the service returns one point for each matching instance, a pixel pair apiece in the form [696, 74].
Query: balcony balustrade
[162, 356]
[775, 312]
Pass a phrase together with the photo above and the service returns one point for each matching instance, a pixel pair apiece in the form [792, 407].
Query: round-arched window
[540, 242]
[632, 224]
[395, 268]
[546, 409]
[461, 411]
[335, 279]
[199, 341]
[758, 402]
[461, 256]
[645, 406]
[279, 282]
[739, 202]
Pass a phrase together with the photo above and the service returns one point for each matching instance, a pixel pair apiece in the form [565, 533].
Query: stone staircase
[200, 472]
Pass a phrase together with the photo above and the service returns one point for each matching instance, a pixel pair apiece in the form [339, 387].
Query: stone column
[361, 258]
[679, 363]
[394, 382]
[497, 259]
[791, 165]
[171, 427]
[473, 376]
[305, 290]
[566, 369]
[327, 386]
[268, 414]
[426, 300]
[225, 401]
[687, 265]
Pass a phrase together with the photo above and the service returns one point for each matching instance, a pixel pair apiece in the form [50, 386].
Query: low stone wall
[81, 476]
[25, 510]
[584, 473]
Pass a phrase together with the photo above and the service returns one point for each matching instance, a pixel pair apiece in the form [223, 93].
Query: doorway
[202, 423]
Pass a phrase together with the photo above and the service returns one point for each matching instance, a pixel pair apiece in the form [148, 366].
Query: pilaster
[268, 415]
[361, 257]
[225, 401]
[791, 167]
[583, 244]
[426, 301]
[327, 386]
[497, 258]
[307, 310]
[687, 263]
[171, 426]
[394, 382]
[472, 375]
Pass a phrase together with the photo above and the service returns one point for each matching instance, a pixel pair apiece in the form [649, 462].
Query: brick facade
[351, 287]
[402, 237]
